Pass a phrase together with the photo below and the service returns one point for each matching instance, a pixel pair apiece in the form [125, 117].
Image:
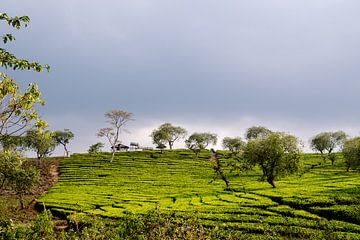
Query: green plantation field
[322, 201]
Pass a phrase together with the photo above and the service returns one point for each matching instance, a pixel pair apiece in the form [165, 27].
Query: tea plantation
[322, 201]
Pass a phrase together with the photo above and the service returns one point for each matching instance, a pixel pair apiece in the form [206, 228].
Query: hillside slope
[321, 200]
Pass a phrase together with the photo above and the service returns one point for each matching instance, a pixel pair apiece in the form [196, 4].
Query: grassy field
[322, 200]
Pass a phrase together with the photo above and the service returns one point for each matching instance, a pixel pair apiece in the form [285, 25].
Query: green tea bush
[179, 185]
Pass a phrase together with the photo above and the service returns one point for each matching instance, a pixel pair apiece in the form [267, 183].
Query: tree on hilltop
[234, 145]
[198, 141]
[327, 142]
[63, 138]
[167, 134]
[117, 120]
[257, 132]
[277, 154]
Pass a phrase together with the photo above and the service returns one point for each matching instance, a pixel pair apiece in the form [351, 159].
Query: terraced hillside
[321, 201]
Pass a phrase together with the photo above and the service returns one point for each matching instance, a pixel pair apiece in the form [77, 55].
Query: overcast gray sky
[207, 65]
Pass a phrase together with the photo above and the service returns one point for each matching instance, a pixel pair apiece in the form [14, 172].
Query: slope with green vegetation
[322, 200]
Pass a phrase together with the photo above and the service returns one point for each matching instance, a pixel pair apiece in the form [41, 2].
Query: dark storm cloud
[294, 62]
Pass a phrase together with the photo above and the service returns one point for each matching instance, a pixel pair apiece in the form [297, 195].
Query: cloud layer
[210, 65]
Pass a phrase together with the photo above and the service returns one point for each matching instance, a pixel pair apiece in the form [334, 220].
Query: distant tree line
[277, 154]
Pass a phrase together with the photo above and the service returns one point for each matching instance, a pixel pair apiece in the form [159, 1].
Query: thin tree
[218, 168]
[63, 138]
[117, 119]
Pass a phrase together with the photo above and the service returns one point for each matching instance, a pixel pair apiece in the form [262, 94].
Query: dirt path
[54, 173]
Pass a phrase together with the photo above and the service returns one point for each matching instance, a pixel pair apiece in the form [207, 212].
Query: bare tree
[117, 120]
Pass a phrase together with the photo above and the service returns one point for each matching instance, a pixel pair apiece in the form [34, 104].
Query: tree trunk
[271, 181]
[323, 156]
[22, 204]
[225, 180]
[170, 145]
[66, 151]
[264, 172]
[112, 155]
[197, 153]
[3, 183]
[218, 169]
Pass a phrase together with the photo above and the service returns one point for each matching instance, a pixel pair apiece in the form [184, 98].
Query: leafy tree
[168, 134]
[95, 148]
[9, 160]
[320, 142]
[328, 141]
[13, 174]
[117, 119]
[278, 154]
[18, 112]
[23, 180]
[199, 141]
[351, 151]
[13, 143]
[63, 138]
[41, 142]
[257, 132]
[234, 145]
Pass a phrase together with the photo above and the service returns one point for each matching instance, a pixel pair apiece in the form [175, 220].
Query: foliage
[158, 225]
[117, 119]
[198, 141]
[63, 138]
[23, 180]
[167, 134]
[9, 161]
[18, 112]
[96, 147]
[41, 228]
[328, 141]
[14, 143]
[257, 132]
[278, 154]
[16, 176]
[41, 142]
[234, 145]
[351, 151]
